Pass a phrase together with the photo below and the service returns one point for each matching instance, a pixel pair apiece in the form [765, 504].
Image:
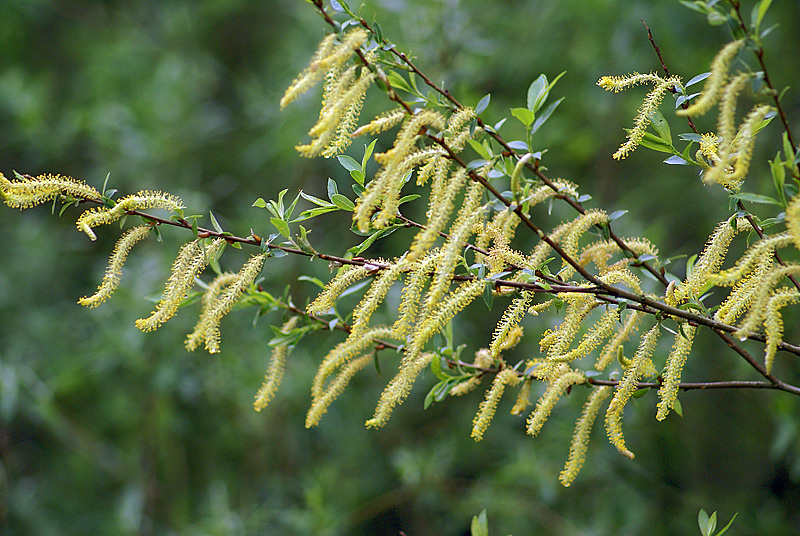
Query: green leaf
[661, 126]
[726, 527]
[436, 368]
[280, 225]
[778, 178]
[702, 521]
[536, 91]
[676, 160]
[483, 103]
[342, 202]
[214, 223]
[332, 189]
[678, 408]
[316, 200]
[301, 241]
[480, 525]
[525, 116]
[367, 154]
[756, 198]
[397, 81]
[488, 295]
[759, 10]
[358, 176]
[260, 203]
[479, 148]
[699, 78]
[651, 141]
[545, 115]
[348, 163]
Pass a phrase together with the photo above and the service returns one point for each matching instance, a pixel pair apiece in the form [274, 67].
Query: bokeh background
[105, 430]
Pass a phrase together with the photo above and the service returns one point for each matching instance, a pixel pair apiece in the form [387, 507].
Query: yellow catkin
[483, 359]
[277, 365]
[793, 220]
[648, 107]
[744, 292]
[758, 308]
[34, 191]
[376, 294]
[441, 208]
[191, 260]
[668, 392]
[327, 298]
[383, 122]
[547, 401]
[343, 352]
[141, 200]
[213, 290]
[320, 405]
[773, 324]
[113, 273]
[488, 407]
[611, 349]
[708, 263]
[716, 81]
[385, 188]
[412, 294]
[580, 437]
[207, 328]
[469, 213]
[641, 365]
[415, 359]
[754, 256]
[328, 56]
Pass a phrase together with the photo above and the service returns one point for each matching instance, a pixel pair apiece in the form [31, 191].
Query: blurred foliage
[106, 430]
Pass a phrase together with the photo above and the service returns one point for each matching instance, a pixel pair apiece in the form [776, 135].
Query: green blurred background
[105, 430]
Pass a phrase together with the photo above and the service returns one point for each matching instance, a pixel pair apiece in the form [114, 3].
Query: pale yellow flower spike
[610, 350]
[580, 437]
[758, 310]
[773, 324]
[751, 259]
[548, 400]
[509, 322]
[483, 359]
[277, 364]
[745, 142]
[576, 230]
[716, 82]
[386, 185]
[141, 200]
[708, 263]
[320, 405]
[487, 409]
[470, 213]
[347, 276]
[376, 294]
[415, 359]
[37, 190]
[668, 392]
[793, 220]
[191, 260]
[412, 293]
[441, 206]
[382, 123]
[744, 292]
[342, 353]
[215, 288]
[641, 365]
[328, 56]
[114, 270]
[650, 104]
[208, 325]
